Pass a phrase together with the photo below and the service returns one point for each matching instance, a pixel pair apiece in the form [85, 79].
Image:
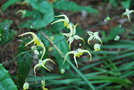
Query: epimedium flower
[36, 41]
[23, 12]
[127, 13]
[92, 36]
[77, 53]
[66, 21]
[72, 30]
[42, 63]
[71, 36]
[97, 47]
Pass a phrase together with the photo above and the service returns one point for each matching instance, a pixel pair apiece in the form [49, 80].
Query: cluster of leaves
[114, 66]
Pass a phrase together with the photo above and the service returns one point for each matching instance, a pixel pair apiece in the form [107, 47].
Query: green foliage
[113, 2]
[111, 68]
[42, 15]
[6, 34]
[6, 82]
[8, 3]
[71, 6]
[63, 46]
[113, 32]
[124, 3]
[24, 63]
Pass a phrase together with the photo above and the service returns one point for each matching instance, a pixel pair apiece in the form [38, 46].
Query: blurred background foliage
[111, 68]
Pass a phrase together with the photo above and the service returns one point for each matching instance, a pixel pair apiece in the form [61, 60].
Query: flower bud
[117, 38]
[97, 47]
[43, 82]
[107, 19]
[62, 71]
[33, 47]
[25, 86]
[36, 52]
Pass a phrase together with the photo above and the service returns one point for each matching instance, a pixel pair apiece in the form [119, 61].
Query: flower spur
[36, 41]
[42, 63]
[66, 21]
[79, 52]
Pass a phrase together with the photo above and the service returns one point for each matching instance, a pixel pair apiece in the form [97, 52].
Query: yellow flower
[65, 21]
[72, 31]
[97, 47]
[79, 52]
[127, 13]
[42, 63]
[93, 36]
[36, 41]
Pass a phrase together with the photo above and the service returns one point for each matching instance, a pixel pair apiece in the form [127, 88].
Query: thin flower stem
[70, 63]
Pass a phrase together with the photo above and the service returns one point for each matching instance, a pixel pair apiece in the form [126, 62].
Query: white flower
[42, 63]
[77, 53]
[127, 13]
[36, 41]
[93, 36]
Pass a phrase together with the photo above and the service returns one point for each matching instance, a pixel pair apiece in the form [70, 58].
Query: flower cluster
[39, 43]
[72, 36]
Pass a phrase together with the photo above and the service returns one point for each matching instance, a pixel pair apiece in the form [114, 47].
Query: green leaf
[24, 63]
[126, 4]
[113, 2]
[44, 40]
[6, 34]
[57, 27]
[8, 3]
[6, 24]
[60, 42]
[6, 83]
[42, 15]
[71, 6]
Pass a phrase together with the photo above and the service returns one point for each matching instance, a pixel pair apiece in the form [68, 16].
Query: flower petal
[78, 37]
[71, 52]
[89, 39]
[75, 61]
[37, 65]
